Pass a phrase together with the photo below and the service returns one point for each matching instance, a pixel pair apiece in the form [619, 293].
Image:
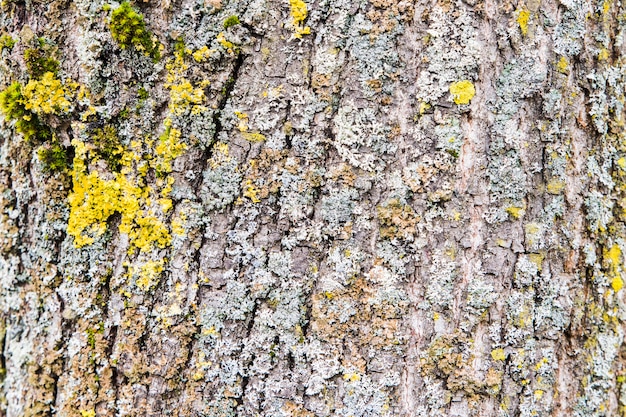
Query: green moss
[129, 30]
[124, 113]
[54, 157]
[6, 41]
[231, 21]
[38, 62]
[12, 105]
[142, 94]
[108, 147]
[179, 45]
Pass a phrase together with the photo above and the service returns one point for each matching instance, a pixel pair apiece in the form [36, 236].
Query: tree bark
[320, 208]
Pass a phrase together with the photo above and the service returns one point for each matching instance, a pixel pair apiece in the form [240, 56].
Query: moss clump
[38, 62]
[231, 21]
[142, 94]
[54, 157]
[129, 30]
[108, 147]
[13, 105]
[6, 41]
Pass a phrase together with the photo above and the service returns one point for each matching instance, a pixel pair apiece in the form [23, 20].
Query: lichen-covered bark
[312, 208]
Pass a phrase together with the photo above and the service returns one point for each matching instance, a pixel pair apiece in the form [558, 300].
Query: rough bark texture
[320, 208]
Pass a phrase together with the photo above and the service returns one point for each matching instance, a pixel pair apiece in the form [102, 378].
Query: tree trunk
[320, 208]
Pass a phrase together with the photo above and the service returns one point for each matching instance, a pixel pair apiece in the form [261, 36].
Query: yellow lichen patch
[229, 46]
[523, 16]
[614, 257]
[562, 65]
[149, 274]
[555, 187]
[94, 199]
[621, 163]
[183, 95]
[603, 55]
[253, 137]
[498, 355]
[87, 413]
[150, 232]
[251, 191]
[352, 377]
[178, 225]
[167, 149]
[203, 54]
[537, 259]
[515, 212]
[462, 91]
[299, 13]
[47, 95]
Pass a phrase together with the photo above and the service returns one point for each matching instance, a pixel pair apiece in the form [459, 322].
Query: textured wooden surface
[321, 208]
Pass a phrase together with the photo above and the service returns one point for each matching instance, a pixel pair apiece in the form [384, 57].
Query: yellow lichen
[498, 354]
[203, 54]
[251, 192]
[183, 95]
[352, 377]
[555, 186]
[537, 259]
[94, 200]
[462, 91]
[149, 274]
[229, 46]
[299, 13]
[523, 16]
[168, 148]
[515, 212]
[614, 256]
[243, 128]
[253, 137]
[562, 65]
[603, 55]
[178, 225]
[47, 95]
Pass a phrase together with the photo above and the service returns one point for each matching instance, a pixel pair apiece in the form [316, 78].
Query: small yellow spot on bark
[555, 187]
[522, 20]
[515, 212]
[498, 354]
[462, 91]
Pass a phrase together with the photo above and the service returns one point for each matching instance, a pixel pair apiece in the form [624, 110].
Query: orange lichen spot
[462, 91]
[396, 220]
